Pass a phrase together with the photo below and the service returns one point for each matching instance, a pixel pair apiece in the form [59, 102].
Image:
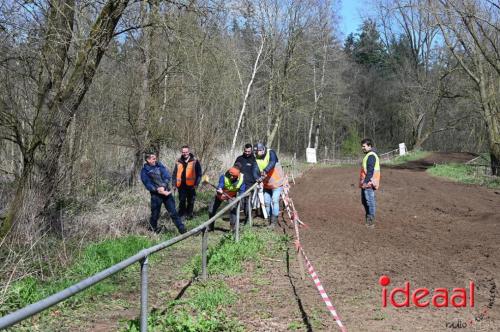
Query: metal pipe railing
[142, 257]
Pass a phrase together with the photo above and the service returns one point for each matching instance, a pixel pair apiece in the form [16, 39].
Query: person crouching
[230, 185]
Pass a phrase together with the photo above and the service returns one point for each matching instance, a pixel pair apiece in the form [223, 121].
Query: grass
[410, 156]
[94, 258]
[200, 311]
[203, 305]
[227, 257]
[464, 174]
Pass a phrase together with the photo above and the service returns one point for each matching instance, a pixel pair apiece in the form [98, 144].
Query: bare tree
[470, 29]
[61, 88]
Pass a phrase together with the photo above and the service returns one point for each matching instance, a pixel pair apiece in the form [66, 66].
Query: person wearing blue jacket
[156, 179]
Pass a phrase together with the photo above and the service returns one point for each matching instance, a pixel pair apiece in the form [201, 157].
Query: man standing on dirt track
[187, 176]
[248, 166]
[156, 179]
[272, 177]
[369, 180]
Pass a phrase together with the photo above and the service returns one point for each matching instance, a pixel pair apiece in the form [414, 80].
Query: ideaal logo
[461, 324]
[439, 298]
[423, 297]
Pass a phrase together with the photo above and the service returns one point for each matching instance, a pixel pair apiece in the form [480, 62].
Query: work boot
[273, 222]
[370, 220]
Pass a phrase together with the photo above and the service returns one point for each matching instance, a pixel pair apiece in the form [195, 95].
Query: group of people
[160, 184]
[256, 164]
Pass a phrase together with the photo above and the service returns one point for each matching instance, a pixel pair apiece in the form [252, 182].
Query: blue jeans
[156, 201]
[369, 203]
[272, 199]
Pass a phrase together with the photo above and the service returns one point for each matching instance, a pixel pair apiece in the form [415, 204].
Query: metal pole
[144, 294]
[237, 226]
[249, 210]
[204, 246]
[32, 309]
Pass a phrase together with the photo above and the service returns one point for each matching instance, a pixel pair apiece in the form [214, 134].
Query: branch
[141, 26]
[452, 49]
[477, 42]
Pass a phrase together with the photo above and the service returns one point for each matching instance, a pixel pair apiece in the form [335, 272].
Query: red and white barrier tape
[294, 216]
[290, 207]
[321, 290]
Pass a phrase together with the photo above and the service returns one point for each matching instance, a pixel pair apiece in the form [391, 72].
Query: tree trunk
[493, 127]
[311, 124]
[141, 128]
[17, 203]
[249, 86]
[58, 102]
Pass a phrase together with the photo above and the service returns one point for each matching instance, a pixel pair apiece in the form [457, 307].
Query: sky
[350, 13]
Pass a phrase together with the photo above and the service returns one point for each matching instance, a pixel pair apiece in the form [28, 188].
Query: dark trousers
[244, 203]
[186, 195]
[212, 210]
[156, 201]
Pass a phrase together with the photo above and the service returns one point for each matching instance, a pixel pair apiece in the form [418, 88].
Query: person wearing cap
[156, 179]
[271, 175]
[187, 176]
[230, 185]
[248, 166]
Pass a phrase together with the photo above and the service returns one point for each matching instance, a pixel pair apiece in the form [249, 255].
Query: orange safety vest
[275, 177]
[190, 173]
[375, 180]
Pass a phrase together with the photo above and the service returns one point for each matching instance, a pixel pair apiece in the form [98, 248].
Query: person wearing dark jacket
[187, 176]
[156, 179]
[369, 180]
[248, 166]
[231, 184]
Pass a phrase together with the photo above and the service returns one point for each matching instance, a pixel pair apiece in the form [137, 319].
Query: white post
[402, 149]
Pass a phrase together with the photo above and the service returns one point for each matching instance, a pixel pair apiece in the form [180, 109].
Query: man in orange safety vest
[187, 176]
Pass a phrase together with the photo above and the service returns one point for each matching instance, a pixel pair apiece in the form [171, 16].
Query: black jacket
[248, 166]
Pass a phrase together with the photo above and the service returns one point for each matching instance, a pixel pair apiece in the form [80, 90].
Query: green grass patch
[203, 306]
[410, 156]
[464, 174]
[94, 258]
[228, 256]
[182, 319]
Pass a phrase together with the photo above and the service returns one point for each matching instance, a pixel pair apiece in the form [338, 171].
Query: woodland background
[87, 87]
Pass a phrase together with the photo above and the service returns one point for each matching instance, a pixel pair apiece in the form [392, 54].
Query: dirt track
[429, 231]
